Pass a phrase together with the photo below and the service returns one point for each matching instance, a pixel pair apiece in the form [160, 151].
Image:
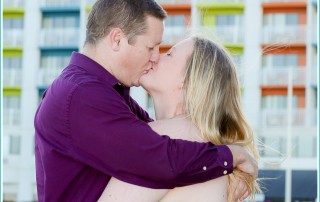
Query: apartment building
[274, 44]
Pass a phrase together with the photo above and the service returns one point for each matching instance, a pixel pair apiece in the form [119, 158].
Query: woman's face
[168, 74]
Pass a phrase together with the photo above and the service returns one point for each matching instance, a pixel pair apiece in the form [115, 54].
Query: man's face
[139, 56]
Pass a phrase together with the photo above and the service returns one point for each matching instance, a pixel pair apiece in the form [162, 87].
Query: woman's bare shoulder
[176, 129]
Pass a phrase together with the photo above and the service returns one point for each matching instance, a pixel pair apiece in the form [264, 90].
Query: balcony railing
[13, 37]
[13, 3]
[305, 146]
[47, 75]
[60, 3]
[11, 117]
[173, 35]
[279, 118]
[12, 77]
[226, 34]
[284, 34]
[59, 37]
[275, 144]
[280, 76]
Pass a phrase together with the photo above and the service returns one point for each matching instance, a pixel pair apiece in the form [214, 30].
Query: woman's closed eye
[169, 53]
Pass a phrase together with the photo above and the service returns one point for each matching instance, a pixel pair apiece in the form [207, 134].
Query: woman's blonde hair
[212, 101]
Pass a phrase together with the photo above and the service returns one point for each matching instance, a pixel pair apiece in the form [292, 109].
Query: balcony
[60, 3]
[173, 35]
[12, 77]
[47, 75]
[11, 117]
[275, 143]
[13, 38]
[280, 76]
[225, 34]
[63, 37]
[279, 118]
[13, 3]
[284, 34]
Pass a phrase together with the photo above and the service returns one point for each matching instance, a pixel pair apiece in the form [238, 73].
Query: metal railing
[284, 34]
[279, 118]
[174, 34]
[13, 37]
[47, 75]
[12, 77]
[59, 37]
[226, 34]
[275, 145]
[280, 75]
[11, 117]
[60, 3]
[13, 3]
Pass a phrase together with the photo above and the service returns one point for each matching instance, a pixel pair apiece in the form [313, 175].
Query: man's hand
[240, 189]
[243, 160]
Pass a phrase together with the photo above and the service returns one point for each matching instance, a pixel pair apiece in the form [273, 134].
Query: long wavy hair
[213, 102]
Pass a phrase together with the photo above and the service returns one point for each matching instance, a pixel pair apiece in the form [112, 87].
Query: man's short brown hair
[128, 15]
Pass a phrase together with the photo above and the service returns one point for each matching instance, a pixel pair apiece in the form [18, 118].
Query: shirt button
[204, 168]
[225, 172]
[225, 163]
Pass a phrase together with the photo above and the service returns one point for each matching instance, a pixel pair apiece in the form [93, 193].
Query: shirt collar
[92, 67]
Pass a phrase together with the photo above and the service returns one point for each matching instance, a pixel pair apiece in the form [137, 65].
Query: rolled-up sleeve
[108, 136]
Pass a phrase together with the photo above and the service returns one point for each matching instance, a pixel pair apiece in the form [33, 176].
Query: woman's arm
[117, 190]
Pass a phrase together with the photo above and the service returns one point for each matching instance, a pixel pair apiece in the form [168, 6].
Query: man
[88, 128]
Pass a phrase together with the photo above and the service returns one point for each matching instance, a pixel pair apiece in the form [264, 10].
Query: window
[12, 71]
[51, 65]
[54, 61]
[278, 102]
[228, 28]
[280, 60]
[175, 28]
[12, 62]
[11, 110]
[225, 20]
[60, 22]
[14, 145]
[281, 19]
[12, 23]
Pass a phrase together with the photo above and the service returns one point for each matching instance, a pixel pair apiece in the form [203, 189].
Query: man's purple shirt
[88, 129]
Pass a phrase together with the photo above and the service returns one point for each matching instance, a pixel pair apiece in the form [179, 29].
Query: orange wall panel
[284, 7]
[282, 90]
[284, 48]
[177, 9]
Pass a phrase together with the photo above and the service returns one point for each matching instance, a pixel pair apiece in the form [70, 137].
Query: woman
[196, 97]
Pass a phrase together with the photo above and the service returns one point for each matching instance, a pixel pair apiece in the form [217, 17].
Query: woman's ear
[115, 35]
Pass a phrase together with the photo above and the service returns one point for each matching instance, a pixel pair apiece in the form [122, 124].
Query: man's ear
[115, 35]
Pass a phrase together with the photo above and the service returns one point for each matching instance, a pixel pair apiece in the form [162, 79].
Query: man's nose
[155, 57]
